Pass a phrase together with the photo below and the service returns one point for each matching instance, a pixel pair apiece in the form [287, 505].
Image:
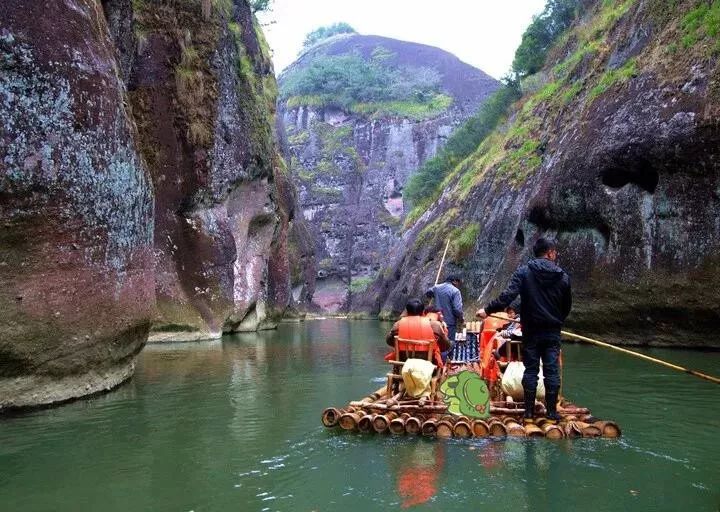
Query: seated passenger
[435, 314]
[413, 326]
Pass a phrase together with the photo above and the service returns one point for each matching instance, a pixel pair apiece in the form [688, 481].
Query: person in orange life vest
[414, 326]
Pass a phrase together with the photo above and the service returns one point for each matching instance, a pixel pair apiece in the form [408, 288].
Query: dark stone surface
[76, 206]
[350, 170]
[629, 184]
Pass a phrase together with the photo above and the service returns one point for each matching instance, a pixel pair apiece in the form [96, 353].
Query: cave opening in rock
[520, 238]
[640, 173]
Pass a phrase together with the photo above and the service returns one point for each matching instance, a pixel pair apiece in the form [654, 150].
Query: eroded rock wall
[76, 206]
[351, 169]
[623, 168]
[203, 94]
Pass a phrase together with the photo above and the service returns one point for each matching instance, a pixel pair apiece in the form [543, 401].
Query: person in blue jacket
[448, 298]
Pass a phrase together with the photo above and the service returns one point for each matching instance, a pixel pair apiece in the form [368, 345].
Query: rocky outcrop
[202, 90]
[76, 206]
[141, 185]
[614, 150]
[351, 163]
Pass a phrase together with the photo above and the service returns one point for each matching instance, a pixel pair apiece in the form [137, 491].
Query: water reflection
[417, 468]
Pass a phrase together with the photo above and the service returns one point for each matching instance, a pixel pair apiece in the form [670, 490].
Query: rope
[599, 343]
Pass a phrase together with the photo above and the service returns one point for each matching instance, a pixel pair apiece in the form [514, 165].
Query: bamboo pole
[462, 429]
[444, 429]
[413, 425]
[442, 262]
[480, 428]
[608, 428]
[330, 417]
[429, 427]
[655, 360]
[397, 426]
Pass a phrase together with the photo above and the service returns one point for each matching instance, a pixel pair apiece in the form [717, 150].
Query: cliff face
[614, 149]
[76, 203]
[138, 167]
[351, 157]
[203, 93]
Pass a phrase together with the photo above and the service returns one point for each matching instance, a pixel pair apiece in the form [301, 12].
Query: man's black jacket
[544, 290]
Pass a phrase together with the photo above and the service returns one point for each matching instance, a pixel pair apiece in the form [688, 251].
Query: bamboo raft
[384, 413]
[380, 414]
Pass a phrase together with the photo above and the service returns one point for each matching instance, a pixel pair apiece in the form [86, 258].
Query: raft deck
[383, 412]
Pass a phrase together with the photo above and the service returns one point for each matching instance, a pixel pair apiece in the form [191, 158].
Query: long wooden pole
[599, 343]
[442, 262]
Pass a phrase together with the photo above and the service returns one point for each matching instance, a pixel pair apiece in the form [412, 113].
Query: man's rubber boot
[529, 416]
[551, 398]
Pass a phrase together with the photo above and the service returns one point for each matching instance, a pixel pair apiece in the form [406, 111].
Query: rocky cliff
[613, 149]
[76, 203]
[141, 187]
[361, 114]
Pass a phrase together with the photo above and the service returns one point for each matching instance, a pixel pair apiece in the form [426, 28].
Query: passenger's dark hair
[543, 246]
[452, 278]
[414, 307]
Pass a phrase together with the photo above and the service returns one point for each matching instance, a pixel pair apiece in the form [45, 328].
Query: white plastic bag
[512, 381]
[417, 374]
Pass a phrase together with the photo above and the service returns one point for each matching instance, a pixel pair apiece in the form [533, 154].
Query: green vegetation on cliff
[542, 33]
[425, 185]
[367, 86]
[322, 33]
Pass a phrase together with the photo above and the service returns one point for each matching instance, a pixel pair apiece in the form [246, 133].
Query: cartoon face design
[466, 394]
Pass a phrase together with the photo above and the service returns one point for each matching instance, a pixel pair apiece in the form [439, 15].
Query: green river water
[235, 426]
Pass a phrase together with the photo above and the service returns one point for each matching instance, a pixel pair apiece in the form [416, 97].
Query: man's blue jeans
[543, 346]
[452, 329]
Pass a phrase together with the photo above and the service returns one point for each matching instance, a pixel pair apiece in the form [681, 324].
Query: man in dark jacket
[448, 298]
[544, 289]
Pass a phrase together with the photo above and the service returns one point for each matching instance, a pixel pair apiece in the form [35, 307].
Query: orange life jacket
[490, 370]
[418, 328]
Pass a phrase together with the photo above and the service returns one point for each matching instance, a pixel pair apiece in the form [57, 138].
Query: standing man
[448, 298]
[546, 301]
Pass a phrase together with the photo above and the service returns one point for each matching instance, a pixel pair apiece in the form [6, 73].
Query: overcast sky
[483, 33]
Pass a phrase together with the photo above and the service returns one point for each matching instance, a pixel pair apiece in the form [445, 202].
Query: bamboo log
[575, 411]
[397, 426]
[330, 417]
[444, 429]
[572, 430]
[349, 420]
[553, 431]
[429, 427]
[462, 429]
[514, 429]
[413, 425]
[480, 428]
[366, 423]
[381, 422]
[589, 430]
[508, 419]
[375, 395]
[608, 428]
[497, 428]
[534, 431]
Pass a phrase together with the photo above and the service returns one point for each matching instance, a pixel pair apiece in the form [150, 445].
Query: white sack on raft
[512, 381]
[417, 374]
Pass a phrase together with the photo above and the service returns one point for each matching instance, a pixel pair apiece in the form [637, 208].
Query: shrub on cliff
[424, 185]
[322, 33]
[544, 30]
[365, 86]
